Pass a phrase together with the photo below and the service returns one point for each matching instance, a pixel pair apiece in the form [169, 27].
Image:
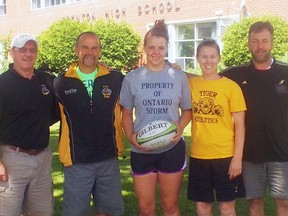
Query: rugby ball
[156, 134]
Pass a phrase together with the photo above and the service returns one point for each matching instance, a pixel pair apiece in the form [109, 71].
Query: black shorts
[171, 161]
[209, 175]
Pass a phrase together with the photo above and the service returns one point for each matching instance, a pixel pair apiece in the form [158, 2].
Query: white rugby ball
[156, 134]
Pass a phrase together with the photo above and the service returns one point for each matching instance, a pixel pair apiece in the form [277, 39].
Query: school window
[187, 38]
[36, 4]
[3, 7]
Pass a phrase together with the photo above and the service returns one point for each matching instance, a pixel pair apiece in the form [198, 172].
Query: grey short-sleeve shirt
[155, 96]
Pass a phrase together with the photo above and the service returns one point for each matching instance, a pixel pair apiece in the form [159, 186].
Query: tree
[235, 40]
[56, 44]
[119, 44]
[4, 51]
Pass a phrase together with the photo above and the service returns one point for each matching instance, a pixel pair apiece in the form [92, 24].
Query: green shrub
[235, 40]
[56, 44]
[119, 44]
[5, 41]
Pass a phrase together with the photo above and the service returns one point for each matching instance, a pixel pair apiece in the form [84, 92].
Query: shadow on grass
[130, 202]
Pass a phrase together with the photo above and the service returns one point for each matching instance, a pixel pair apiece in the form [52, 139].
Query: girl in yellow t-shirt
[217, 135]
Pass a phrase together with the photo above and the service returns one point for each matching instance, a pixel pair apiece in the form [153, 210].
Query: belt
[32, 152]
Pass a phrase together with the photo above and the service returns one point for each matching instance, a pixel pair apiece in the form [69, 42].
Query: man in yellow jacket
[88, 95]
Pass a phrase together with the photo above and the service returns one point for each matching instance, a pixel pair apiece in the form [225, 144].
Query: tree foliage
[56, 44]
[5, 41]
[119, 44]
[235, 40]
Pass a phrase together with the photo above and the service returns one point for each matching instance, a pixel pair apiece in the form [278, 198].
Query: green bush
[235, 40]
[56, 44]
[119, 42]
[5, 41]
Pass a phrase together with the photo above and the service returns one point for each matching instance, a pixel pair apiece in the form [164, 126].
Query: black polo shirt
[27, 108]
[266, 96]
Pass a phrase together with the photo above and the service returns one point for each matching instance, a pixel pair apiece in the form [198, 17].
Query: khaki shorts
[30, 183]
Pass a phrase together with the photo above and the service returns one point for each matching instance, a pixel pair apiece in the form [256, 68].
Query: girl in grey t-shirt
[156, 91]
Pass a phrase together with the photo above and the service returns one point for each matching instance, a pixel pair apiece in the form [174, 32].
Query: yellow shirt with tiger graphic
[212, 122]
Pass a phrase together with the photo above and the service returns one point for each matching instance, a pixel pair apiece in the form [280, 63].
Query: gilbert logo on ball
[156, 134]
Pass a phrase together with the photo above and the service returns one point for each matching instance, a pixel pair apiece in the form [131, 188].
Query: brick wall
[140, 13]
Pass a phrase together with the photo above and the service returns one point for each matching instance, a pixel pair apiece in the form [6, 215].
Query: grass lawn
[130, 202]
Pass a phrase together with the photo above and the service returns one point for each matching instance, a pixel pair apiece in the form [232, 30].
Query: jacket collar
[71, 72]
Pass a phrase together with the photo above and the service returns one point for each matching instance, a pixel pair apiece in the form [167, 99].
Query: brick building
[188, 20]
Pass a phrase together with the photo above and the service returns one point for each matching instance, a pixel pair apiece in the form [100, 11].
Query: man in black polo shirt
[27, 109]
[264, 82]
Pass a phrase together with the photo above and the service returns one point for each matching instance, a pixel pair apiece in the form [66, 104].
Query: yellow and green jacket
[90, 128]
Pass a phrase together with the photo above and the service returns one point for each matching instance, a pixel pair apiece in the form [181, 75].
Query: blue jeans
[100, 180]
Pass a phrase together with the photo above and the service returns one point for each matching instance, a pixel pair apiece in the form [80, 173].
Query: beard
[262, 58]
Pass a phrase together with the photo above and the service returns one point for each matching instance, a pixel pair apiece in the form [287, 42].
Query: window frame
[3, 7]
[184, 61]
[40, 4]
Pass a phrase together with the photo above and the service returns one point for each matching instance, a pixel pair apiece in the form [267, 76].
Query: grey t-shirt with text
[155, 96]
